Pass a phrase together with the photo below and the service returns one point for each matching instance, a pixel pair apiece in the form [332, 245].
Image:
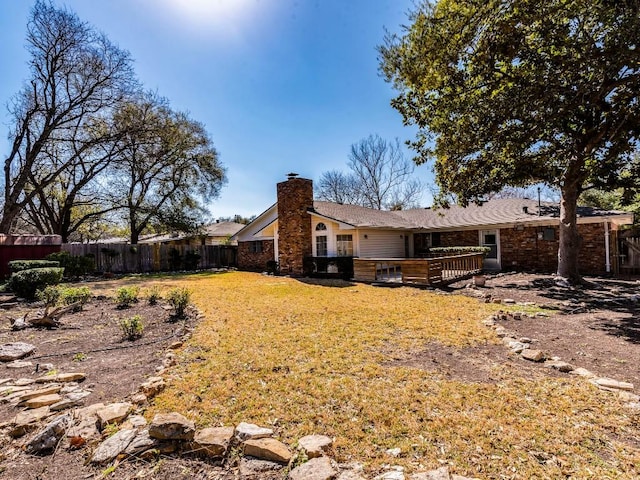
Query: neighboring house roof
[219, 229]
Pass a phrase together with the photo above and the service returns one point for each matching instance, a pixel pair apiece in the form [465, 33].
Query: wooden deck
[417, 271]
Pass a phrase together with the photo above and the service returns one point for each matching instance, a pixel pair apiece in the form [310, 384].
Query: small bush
[179, 299]
[127, 296]
[21, 265]
[273, 268]
[154, 295]
[132, 327]
[71, 295]
[26, 283]
[74, 266]
[49, 295]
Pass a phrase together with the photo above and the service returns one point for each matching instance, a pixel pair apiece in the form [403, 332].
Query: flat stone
[138, 399]
[509, 301]
[532, 355]
[249, 431]
[113, 413]
[6, 380]
[134, 421]
[113, 446]
[394, 452]
[21, 382]
[62, 377]
[267, 449]
[256, 468]
[559, 365]
[47, 439]
[318, 468]
[88, 412]
[11, 389]
[15, 351]
[628, 396]
[315, 445]
[395, 474]
[38, 393]
[171, 426]
[517, 347]
[72, 399]
[86, 430]
[27, 421]
[582, 372]
[615, 384]
[213, 442]
[142, 443]
[43, 400]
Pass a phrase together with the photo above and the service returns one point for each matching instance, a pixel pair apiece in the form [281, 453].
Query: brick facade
[254, 261]
[531, 249]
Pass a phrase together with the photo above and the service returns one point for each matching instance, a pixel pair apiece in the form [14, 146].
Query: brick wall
[524, 250]
[295, 196]
[248, 260]
[461, 238]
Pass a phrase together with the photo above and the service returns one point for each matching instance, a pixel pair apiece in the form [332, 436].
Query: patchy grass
[308, 358]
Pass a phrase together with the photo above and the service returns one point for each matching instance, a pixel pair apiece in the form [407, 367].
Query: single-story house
[522, 234]
[219, 233]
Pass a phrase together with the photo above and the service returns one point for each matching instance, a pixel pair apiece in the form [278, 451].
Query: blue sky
[281, 85]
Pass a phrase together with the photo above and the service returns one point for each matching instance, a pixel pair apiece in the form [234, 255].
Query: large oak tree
[514, 92]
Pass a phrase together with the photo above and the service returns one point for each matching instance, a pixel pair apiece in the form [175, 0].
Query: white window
[344, 245]
[321, 246]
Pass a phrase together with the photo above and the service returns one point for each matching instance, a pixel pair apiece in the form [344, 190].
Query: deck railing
[420, 271]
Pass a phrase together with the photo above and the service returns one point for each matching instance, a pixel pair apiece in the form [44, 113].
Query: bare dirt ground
[596, 327]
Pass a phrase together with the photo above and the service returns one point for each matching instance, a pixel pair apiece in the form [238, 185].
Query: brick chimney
[295, 196]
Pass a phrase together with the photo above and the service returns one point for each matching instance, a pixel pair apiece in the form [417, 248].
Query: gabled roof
[359, 216]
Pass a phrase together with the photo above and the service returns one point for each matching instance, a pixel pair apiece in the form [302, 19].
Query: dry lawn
[315, 358]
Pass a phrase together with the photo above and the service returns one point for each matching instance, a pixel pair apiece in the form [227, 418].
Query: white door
[491, 239]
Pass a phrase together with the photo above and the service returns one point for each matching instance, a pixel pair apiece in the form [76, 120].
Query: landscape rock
[43, 400]
[559, 365]
[249, 431]
[267, 449]
[113, 446]
[394, 452]
[314, 445]
[142, 443]
[72, 399]
[396, 474]
[26, 421]
[614, 384]
[38, 393]
[85, 429]
[253, 468]
[582, 372]
[113, 413]
[171, 426]
[6, 380]
[441, 473]
[152, 387]
[532, 355]
[318, 468]
[214, 441]
[62, 377]
[15, 351]
[138, 399]
[21, 382]
[47, 439]
[134, 421]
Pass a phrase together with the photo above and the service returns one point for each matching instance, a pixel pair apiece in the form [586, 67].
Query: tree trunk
[570, 240]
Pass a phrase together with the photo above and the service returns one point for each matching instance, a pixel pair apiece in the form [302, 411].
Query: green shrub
[272, 267]
[127, 296]
[154, 294]
[179, 299]
[21, 265]
[459, 250]
[132, 327]
[26, 283]
[74, 265]
[71, 295]
[49, 295]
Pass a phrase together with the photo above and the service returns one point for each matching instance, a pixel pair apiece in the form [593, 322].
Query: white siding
[381, 243]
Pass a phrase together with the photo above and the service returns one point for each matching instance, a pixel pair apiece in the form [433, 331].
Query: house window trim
[341, 249]
[326, 246]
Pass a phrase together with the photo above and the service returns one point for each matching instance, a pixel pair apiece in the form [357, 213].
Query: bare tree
[77, 74]
[380, 177]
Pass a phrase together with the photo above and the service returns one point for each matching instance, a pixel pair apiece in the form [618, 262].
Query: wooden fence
[420, 271]
[145, 258]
